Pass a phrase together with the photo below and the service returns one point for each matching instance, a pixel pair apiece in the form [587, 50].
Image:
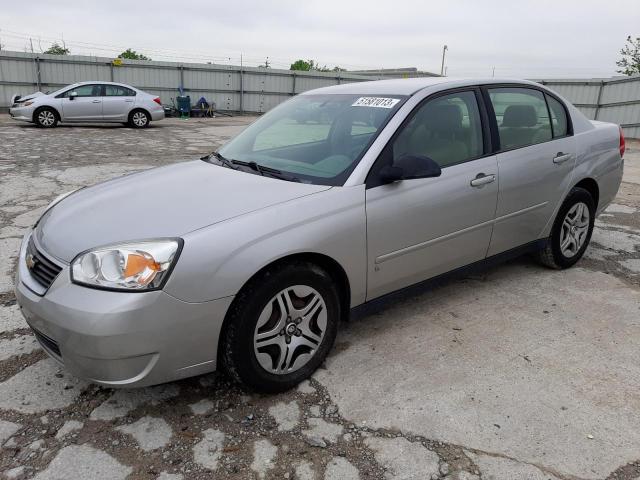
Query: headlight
[26, 104]
[128, 266]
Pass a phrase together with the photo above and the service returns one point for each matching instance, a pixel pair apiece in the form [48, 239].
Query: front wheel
[571, 231]
[46, 118]
[281, 327]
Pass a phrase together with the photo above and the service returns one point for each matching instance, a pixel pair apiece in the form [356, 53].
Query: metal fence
[253, 89]
[232, 88]
[614, 100]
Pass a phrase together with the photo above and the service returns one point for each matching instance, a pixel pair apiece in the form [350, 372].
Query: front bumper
[120, 339]
[24, 114]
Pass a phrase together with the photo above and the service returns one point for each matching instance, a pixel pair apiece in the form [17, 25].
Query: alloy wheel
[46, 118]
[139, 119]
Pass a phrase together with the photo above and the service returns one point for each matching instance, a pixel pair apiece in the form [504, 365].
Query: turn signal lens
[622, 143]
[132, 266]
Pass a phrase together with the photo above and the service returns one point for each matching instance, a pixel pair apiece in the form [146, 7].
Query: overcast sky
[530, 39]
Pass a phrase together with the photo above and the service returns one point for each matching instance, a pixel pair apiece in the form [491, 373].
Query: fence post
[241, 90]
[595, 116]
[293, 89]
[181, 67]
[38, 75]
[111, 71]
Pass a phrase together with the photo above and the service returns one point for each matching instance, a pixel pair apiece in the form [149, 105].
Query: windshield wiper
[222, 159]
[262, 170]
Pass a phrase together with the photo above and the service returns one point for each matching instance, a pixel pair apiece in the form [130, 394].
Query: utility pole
[444, 51]
[493, 73]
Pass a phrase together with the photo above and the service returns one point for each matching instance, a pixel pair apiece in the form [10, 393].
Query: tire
[139, 119]
[572, 227]
[267, 342]
[46, 117]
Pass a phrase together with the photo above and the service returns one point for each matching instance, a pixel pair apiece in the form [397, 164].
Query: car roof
[409, 86]
[99, 82]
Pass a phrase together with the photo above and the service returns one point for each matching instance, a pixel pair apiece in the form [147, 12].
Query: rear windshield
[316, 138]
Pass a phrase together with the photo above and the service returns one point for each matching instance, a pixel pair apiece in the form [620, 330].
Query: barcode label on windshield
[377, 102]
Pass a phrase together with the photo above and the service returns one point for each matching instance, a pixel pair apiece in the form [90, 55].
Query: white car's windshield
[314, 138]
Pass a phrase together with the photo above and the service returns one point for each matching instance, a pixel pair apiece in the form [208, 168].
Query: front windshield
[315, 138]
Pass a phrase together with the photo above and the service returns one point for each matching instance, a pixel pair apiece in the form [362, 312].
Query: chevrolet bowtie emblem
[31, 261]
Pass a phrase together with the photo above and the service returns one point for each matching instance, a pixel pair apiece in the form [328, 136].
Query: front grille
[47, 343]
[43, 270]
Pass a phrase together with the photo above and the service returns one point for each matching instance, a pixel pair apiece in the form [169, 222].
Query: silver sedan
[89, 102]
[249, 258]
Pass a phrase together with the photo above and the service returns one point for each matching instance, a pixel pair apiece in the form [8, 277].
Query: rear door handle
[561, 157]
[96, 101]
[482, 179]
[128, 100]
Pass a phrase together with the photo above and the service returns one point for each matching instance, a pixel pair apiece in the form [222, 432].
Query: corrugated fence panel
[620, 92]
[577, 94]
[304, 83]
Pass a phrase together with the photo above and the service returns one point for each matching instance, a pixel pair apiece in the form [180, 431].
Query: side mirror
[409, 167]
[73, 95]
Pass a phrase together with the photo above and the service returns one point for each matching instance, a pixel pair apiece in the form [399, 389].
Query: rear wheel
[139, 119]
[281, 327]
[46, 117]
[571, 231]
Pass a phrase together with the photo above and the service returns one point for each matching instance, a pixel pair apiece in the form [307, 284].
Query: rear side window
[558, 117]
[522, 117]
[118, 91]
[446, 129]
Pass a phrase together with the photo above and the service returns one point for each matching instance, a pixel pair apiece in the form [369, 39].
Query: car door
[117, 102]
[535, 162]
[417, 229]
[82, 103]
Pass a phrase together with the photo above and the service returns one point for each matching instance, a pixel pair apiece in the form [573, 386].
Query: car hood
[30, 97]
[161, 202]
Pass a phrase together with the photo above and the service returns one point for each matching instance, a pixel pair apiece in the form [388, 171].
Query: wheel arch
[323, 261]
[330, 265]
[55, 111]
[591, 186]
[135, 109]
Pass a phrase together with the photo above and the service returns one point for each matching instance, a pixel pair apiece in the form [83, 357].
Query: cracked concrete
[515, 373]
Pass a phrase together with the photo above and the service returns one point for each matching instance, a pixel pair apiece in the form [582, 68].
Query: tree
[630, 62]
[302, 65]
[308, 65]
[133, 55]
[57, 49]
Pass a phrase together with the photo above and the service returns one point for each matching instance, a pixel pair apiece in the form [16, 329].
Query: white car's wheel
[46, 117]
[139, 119]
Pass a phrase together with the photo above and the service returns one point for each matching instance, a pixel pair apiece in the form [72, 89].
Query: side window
[522, 116]
[85, 91]
[558, 117]
[118, 91]
[446, 129]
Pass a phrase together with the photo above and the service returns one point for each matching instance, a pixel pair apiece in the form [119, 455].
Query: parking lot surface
[518, 372]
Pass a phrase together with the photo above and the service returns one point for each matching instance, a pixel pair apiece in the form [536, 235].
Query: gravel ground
[515, 373]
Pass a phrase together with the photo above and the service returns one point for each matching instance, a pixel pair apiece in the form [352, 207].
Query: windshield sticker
[377, 102]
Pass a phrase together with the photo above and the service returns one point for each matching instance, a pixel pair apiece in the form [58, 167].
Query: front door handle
[561, 157]
[482, 179]
[96, 101]
[128, 100]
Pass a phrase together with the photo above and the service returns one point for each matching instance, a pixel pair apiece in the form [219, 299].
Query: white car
[89, 102]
